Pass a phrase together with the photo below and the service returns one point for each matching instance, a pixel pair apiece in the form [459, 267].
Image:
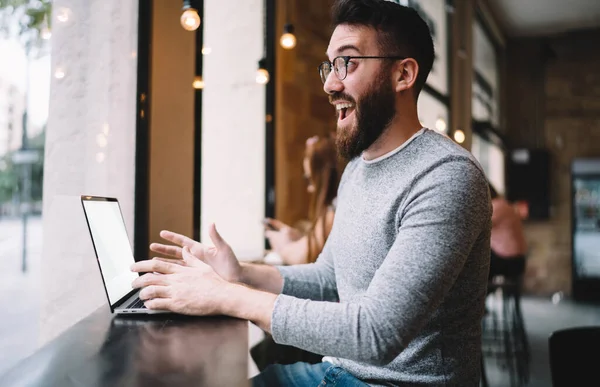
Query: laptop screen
[113, 250]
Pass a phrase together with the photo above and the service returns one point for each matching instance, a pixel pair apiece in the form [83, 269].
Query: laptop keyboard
[137, 304]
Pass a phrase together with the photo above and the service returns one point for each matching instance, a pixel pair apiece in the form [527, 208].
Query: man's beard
[373, 114]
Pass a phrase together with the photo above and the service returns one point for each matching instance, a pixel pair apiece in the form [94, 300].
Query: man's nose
[332, 84]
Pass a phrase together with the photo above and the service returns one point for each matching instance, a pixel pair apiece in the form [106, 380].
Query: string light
[190, 20]
[288, 39]
[59, 73]
[63, 14]
[198, 82]
[459, 136]
[440, 125]
[262, 74]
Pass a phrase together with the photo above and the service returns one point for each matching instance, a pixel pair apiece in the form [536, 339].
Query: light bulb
[459, 136]
[190, 20]
[262, 76]
[59, 73]
[288, 39]
[198, 83]
[440, 125]
[206, 50]
[63, 15]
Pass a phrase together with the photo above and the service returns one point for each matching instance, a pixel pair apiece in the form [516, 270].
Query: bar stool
[571, 354]
[504, 336]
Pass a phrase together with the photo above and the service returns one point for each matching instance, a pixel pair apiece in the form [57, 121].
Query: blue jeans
[306, 375]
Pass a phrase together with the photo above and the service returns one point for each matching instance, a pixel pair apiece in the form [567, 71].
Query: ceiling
[545, 17]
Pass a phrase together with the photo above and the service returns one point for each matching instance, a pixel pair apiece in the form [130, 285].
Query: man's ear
[405, 74]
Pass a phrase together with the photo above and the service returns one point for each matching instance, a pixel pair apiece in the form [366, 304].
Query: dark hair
[401, 31]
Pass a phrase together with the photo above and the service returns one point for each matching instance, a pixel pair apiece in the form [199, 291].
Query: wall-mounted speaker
[528, 180]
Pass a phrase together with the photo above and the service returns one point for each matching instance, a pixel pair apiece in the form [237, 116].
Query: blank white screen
[112, 247]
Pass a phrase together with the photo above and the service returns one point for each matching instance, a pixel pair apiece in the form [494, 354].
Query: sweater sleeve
[447, 210]
[314, 281]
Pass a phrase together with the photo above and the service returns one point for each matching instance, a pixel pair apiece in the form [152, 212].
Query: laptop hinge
[124, 298]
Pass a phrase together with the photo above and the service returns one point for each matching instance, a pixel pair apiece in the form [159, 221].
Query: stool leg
[522, 337]
[484, 381]
[508, 347]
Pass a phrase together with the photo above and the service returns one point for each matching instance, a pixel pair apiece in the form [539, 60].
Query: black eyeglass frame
[347, 59]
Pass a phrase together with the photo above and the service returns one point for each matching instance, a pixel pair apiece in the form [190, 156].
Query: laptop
[114, 254]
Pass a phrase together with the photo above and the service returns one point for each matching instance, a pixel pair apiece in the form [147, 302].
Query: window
[486, 144]
[433, 105]
[24, 93]
[485, 103]
[491, 157]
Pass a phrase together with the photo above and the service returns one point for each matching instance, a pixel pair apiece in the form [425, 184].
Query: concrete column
[90, 148]
[233, 125]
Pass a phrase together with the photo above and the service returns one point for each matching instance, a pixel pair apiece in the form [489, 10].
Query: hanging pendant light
[190, 20]
[288, 39]
[262, 74]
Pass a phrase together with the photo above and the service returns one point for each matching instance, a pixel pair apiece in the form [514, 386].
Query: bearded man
[397, 295]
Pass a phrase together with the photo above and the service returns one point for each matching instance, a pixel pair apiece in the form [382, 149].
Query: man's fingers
[154, 291]
[176, 238]
[189, 257]
[276, 223]
[149, 279]
[156, 266]
[173, 251]
[216, 238]
[159, 304]
[175, 261]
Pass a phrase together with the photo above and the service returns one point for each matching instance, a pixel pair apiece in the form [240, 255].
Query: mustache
[338, 95]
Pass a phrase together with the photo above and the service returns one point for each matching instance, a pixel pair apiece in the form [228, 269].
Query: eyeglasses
[340, 65]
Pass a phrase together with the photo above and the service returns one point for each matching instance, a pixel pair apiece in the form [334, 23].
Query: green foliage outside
[24, 20]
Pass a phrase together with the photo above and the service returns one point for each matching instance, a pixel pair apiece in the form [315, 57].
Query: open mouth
[344, 110]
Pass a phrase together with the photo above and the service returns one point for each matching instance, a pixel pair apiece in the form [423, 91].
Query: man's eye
[351, 64]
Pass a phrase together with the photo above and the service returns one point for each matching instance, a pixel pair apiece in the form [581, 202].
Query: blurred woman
[320, 166]
[508, 243]
[293, 246]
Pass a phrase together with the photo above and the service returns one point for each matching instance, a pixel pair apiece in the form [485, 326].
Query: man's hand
[194, 288]
[191, 288]
[220, 257]
[280, 234]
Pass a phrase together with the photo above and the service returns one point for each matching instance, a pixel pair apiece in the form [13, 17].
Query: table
[154, 350]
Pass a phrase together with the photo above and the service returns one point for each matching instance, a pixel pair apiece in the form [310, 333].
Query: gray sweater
[397, 295]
